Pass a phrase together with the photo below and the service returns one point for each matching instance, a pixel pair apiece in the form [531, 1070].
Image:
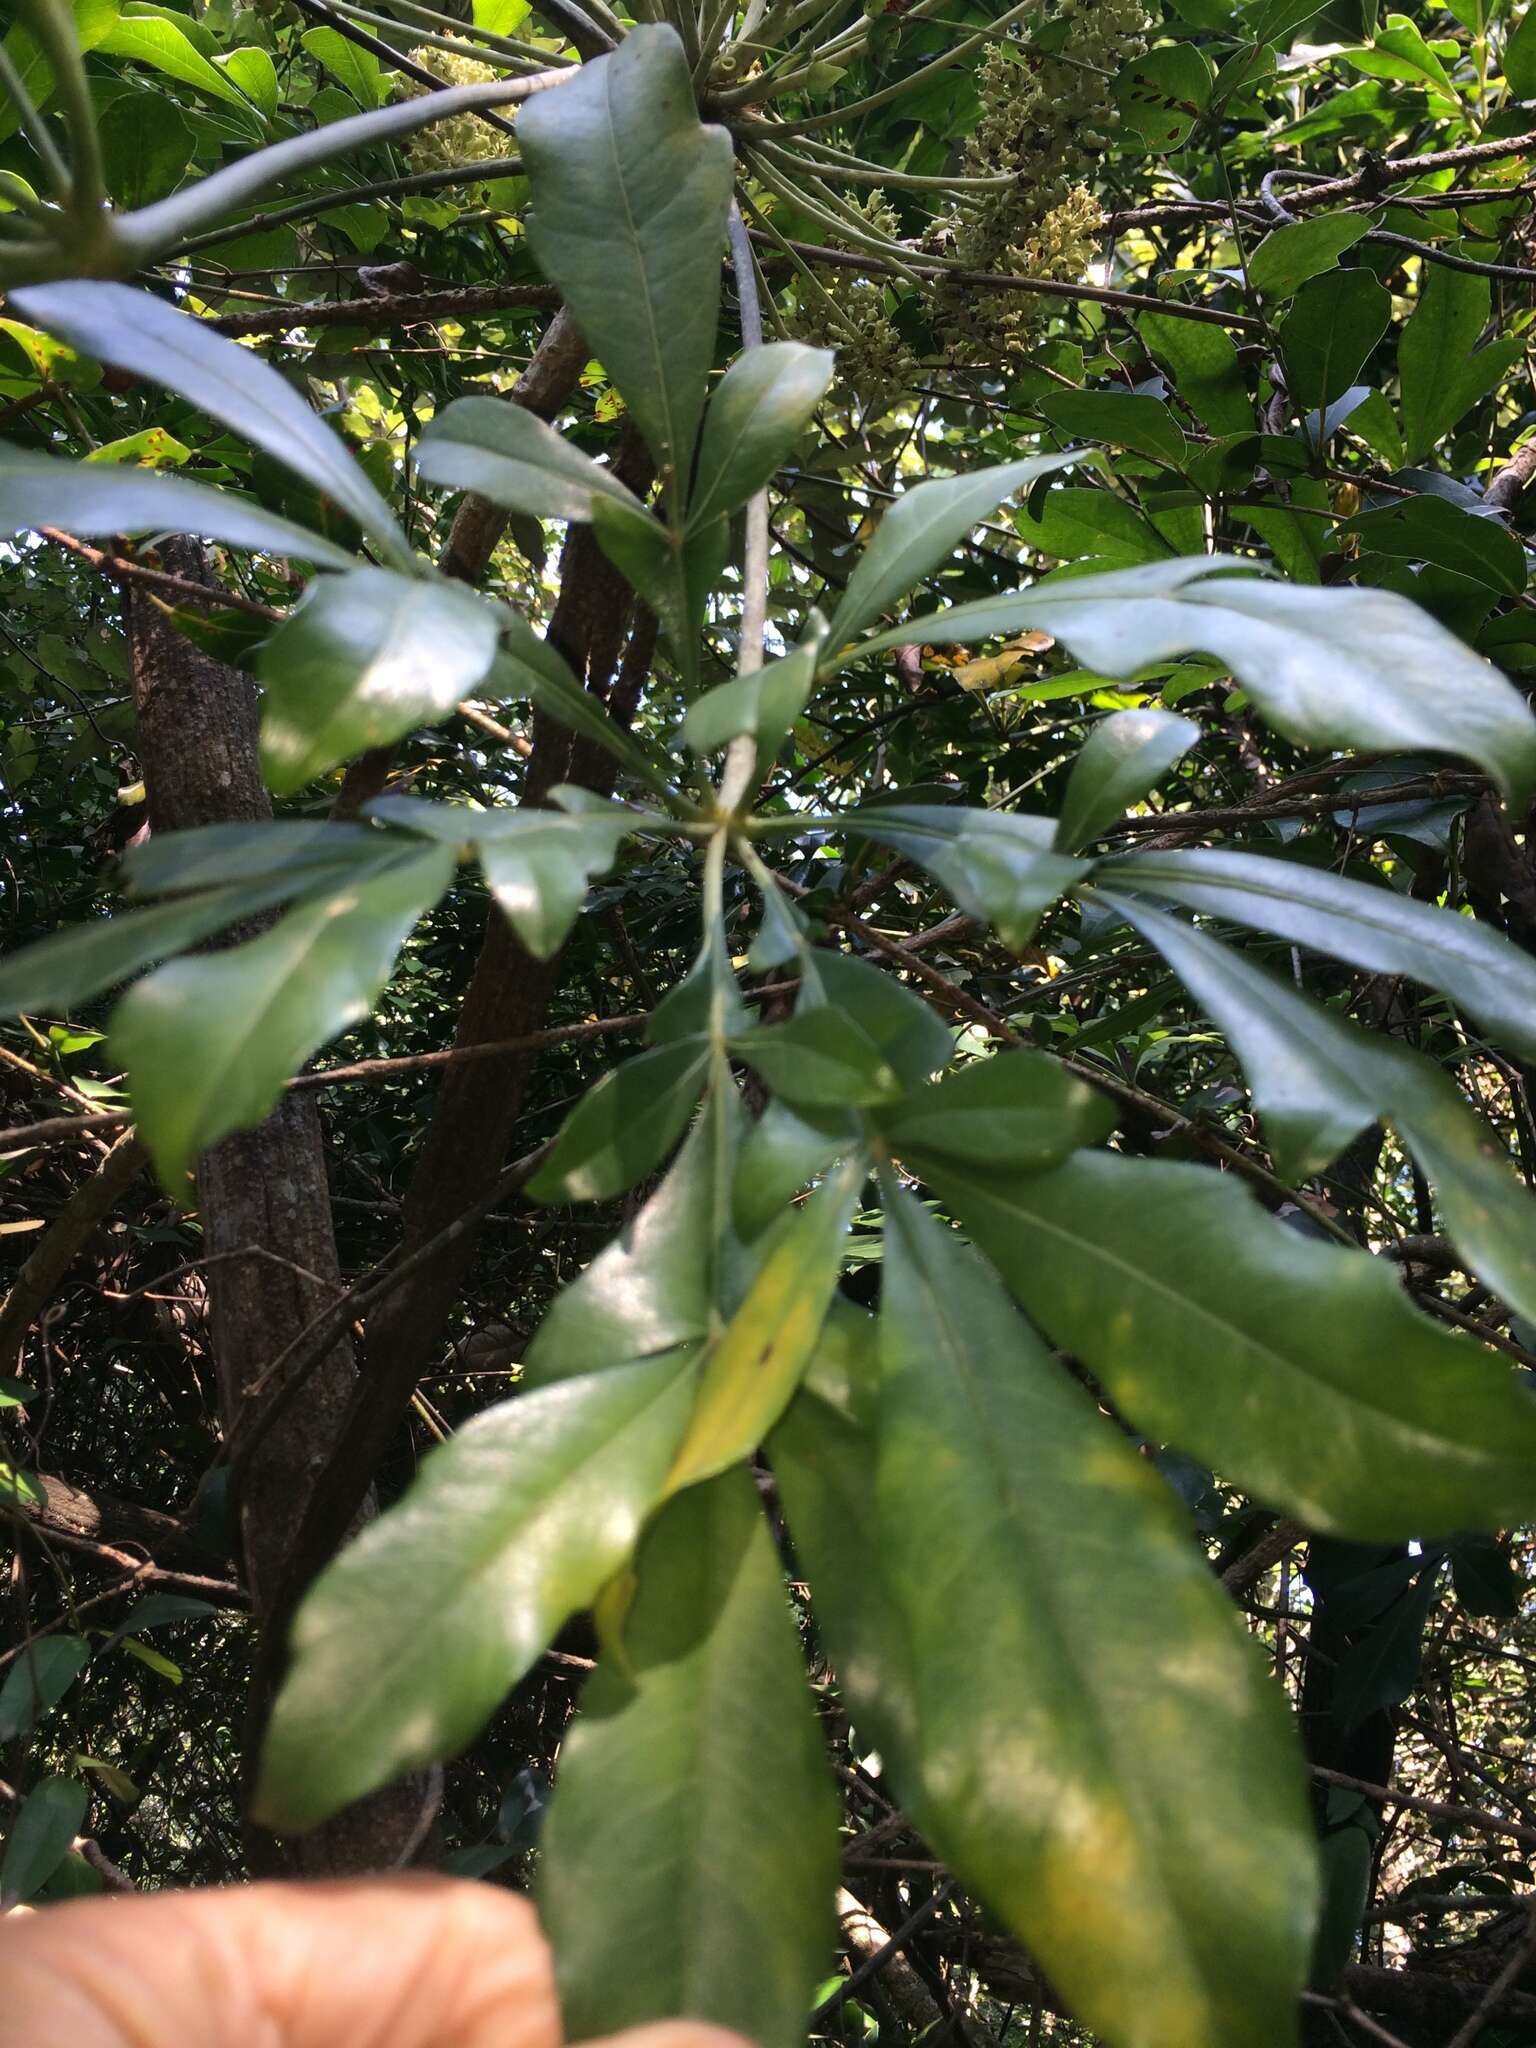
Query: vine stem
[742, 756]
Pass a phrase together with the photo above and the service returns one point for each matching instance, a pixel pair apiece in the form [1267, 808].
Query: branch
[70, 1232]
[392, 309]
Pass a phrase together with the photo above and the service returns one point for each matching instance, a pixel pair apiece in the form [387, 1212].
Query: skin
[408, 1962]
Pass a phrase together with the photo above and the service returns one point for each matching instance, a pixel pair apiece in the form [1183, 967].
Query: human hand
[405, 1962]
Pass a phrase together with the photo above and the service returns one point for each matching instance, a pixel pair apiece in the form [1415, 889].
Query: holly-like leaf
[625, 1125]
[1125, 756]
[922, 529]
[134, 330]
[1049, 1774]
[509, 455]
[1000, 866]
[1014, 1110]
[754, 419]
[630, 194]
[367, 657]
[1318, 1081]
[409, 1641]
[94, 498]
[690, 1855]
[1332, 667]
[1296, 1368]
[1369, 927]
[210, 1042]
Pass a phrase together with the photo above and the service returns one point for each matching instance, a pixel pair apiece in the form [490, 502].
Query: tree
[1078, 1073]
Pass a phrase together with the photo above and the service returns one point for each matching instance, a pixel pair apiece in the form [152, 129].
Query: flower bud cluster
[462, 138]
[874, 364]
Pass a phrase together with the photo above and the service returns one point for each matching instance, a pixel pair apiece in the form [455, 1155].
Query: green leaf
[1330, 667]
[1149, 1842]
[999, 866]
[1329, 331]
[92, 499]
[41, 1675]
[922, 530]
[60, 973]
[411, 1638]
[648, 1290]
[690, 1855]
[650, 557]
[527, 666]
[630, 194]
[41, 1834]
[753, 1367]
[210, 1042]
[1400, 51]
[159, 43]
[1371, 928]
[1518, 61]
[764, 704]
[143, 159]
[820, 1059]
[783, 1150]
[1162, 94]
[214, 856]
[1318, 1081]
[1295, 1368]
[255, 74]
[355, 68]
[16, 1393]
[1437, 351]
[133, 330]
[367, 657]
[756, 415]
[1433, 530]
[1077, 524]
[1204, 367]
[1124, 757]
[538, 864]
[1288, 256]
[117, 1781]
[510, 456]
[1014, 1110]
[1125, 419]
[624, 1126]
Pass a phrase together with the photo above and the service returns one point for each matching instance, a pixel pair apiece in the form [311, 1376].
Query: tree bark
[262, 1191]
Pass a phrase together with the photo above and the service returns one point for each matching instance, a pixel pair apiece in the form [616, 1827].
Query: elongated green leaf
[1437, 344]
[912, 1035]
[1000, 866]
[152, 40]
[537, 862]
[1125, 756]
[1122, 419]
[1432, 530]
[649, 1289]
[41, 1832]
[355, 68]
[1290, 255]
[922, 529]
[781, 1153]
[1015, 1110]
[1332, 326]
[754, 1366]
[820, 1059]
[649, 555]
[212, 856]
[367, 657]
[510, 456]
[41, 1675]
[133, 330]
[1043, 1570]
[1296, 1368]
[92, 498]
[1205, 370]
[764, 704]
[753, 421]
[1317, 1081]
[689, 1858]
[624, 1126]
[1370, 927]
[410, 1640]
[61, 972]
[1332, 667]
[209, 1042]
[529, 667]
[630, 193]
